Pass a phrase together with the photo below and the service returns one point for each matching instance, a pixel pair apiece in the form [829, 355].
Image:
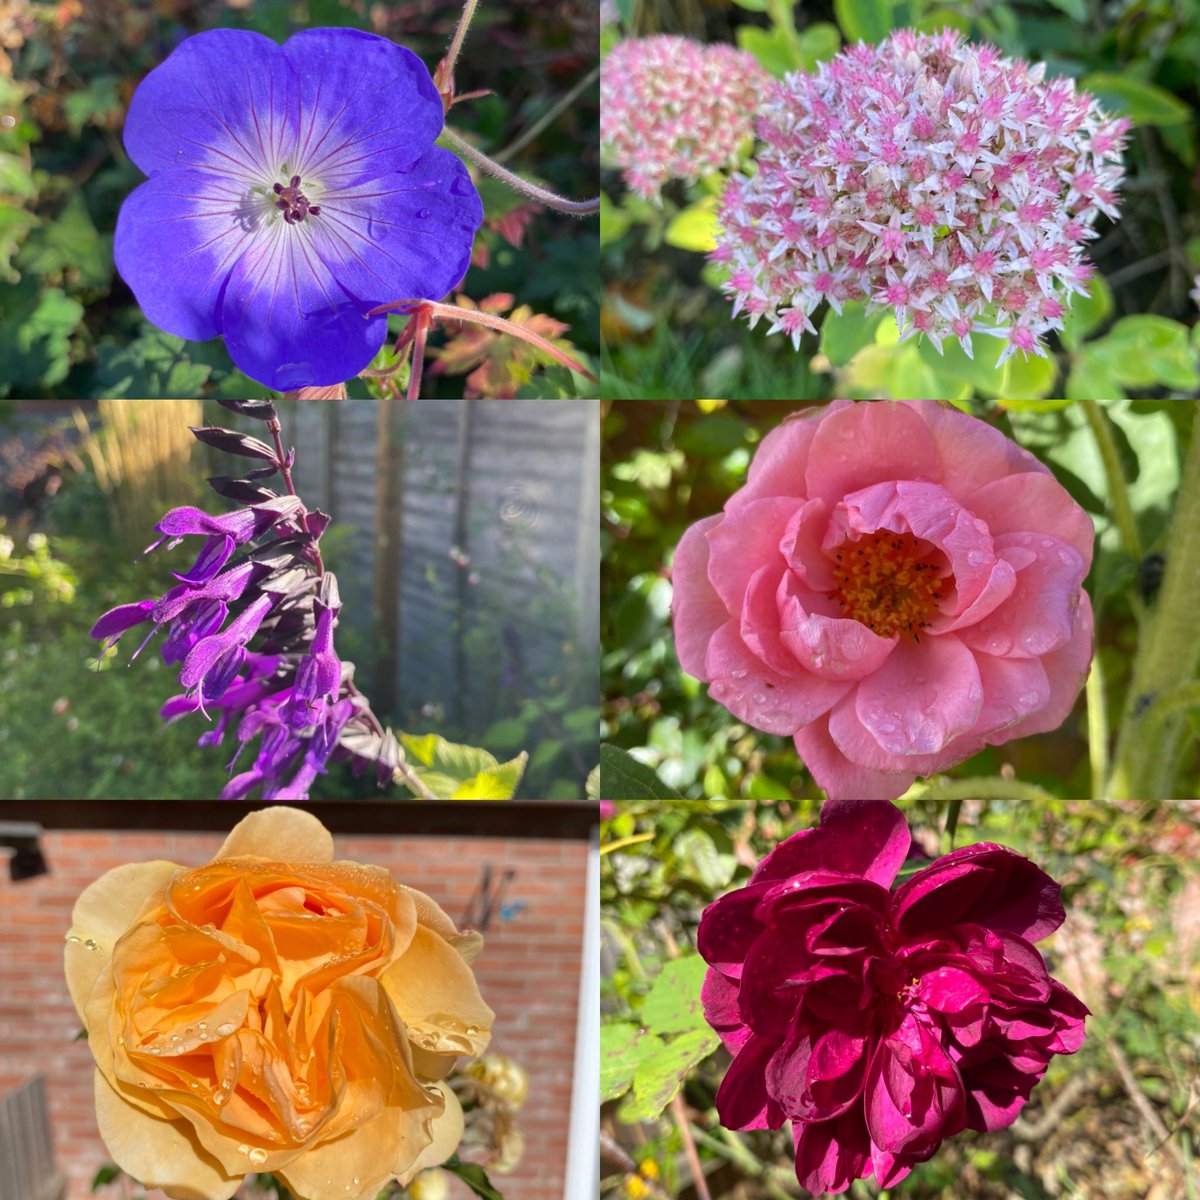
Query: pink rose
[880, 1023]
[896, 585]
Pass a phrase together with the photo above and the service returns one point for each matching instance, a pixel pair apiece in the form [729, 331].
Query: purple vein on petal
[225, 125]
[312, 124]
[308, 166]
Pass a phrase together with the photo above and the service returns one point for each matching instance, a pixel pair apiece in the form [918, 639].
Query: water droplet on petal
[225, 1028]
[90, 945]
[421, 214]
[738, 673]
[976, 558]
[258, 1156]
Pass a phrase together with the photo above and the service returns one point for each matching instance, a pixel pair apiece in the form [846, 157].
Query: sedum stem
[1149, 744]
[574, 208]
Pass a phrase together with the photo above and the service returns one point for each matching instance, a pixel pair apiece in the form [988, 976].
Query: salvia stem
[281, 461]
[1168, 654]
[573, 208]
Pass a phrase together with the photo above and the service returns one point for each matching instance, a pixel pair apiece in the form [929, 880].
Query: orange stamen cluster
[888, 581]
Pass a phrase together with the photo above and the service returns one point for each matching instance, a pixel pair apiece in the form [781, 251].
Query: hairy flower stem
[573, 208]
[444, 76]
[1097, 721]
[1118, 491]
[1149, 744]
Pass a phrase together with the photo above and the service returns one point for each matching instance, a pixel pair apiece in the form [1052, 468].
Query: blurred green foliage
[1130, 949]
[668, 464]
[69, 327]
[666, 328]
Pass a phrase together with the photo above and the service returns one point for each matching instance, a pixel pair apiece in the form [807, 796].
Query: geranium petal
[179, 236]
[406, 234]
[224, 101]
[368, 106]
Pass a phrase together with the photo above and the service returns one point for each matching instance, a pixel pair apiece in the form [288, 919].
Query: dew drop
[121, 1040]
[72, 938]
[738, 673]
[202, 1024]
[421, 214]
[220, 1096]
[1029, 699]
[976, 558]
[90, 945]
[243, 1149]
[1047, 543]
[258, 1156]
[225, 1028]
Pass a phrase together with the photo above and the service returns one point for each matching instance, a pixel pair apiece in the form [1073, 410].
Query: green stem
[1118, 489]
[1148, 751]
[1097, 721]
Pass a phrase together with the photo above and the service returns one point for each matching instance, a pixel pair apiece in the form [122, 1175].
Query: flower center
[888, 581]
[293, 203]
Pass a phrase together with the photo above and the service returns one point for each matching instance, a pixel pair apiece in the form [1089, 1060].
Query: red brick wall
[528, 972]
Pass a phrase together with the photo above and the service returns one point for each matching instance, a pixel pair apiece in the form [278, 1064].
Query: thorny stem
[573, 208]
[1147, 753]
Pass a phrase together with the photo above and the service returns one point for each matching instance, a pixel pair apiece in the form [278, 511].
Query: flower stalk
[1150, 738]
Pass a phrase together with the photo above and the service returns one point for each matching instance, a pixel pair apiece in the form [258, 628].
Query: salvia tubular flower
[896, 585]
[882, 1022]
[672, 108]
[291, 190]
[928, 176]
[250, 625]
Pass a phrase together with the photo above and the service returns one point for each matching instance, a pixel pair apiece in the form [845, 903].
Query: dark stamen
[293, 203]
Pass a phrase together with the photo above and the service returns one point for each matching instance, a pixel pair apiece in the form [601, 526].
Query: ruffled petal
[838, 776]
[280, 834]
[696, 609]
[159, 1153]
[1035, 503]
[857, 446]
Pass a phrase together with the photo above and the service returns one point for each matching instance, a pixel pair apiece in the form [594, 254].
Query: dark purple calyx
[293, 203]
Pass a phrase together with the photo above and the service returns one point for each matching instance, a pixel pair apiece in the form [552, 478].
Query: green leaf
[1144, 102]
[979, 372]
[622, 1047]
[15, 178]
[1092, 377]
[844, 334]
[614, 221]
[695, 227]
[96, 104]
[69, 246]
[474, 1176]
[1040, 406]
[1087, 313]
[622, 777]
[673, 1003]
[1077, 10]
[774, 48]
[1144, 350]
[154, 366]
[1028, 378]
[455, 772]
[15, 224]
[817, 44]
[35, 335]
[863, 20]
[910, 377]
[660, 1074]
[108, 1173]
[752, 5]
[506, 734]
[697, 850]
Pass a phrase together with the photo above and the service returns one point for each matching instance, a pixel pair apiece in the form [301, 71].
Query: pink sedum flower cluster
[882, 1022]
[929, 176]
[896, 585]
[671, 108]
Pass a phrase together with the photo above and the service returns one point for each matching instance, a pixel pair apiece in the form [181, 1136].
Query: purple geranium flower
[882, 1022]
[292, 189]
